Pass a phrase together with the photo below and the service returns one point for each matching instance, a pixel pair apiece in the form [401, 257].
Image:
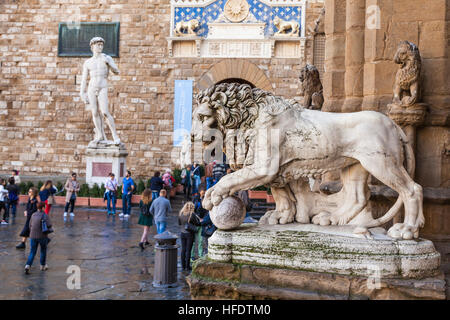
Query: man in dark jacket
[37, 237]
[156, 184]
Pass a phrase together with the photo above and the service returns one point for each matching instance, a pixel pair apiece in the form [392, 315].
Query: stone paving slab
[106, 250]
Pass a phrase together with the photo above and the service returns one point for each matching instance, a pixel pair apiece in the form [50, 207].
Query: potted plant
[135, 198]
[96, 197]
[259, 192]
[173, 190]
[83, 195]
[269, 197]
[60, 197]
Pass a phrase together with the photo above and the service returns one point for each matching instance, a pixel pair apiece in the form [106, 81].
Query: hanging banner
[182, 111]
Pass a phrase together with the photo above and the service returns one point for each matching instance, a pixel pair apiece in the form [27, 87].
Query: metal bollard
[166, 260]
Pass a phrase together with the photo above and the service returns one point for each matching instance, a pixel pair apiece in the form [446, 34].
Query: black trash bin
[166, 260]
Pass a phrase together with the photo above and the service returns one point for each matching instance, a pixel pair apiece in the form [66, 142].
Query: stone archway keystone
[235, 68]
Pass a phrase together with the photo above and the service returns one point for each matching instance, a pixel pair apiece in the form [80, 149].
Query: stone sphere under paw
[229, 214]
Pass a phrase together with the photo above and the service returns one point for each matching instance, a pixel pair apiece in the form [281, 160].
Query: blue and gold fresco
[261, 11]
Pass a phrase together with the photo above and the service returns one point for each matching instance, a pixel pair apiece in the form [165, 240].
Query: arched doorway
[235, 70]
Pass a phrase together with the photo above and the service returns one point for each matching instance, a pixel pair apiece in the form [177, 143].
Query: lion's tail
[410, 168]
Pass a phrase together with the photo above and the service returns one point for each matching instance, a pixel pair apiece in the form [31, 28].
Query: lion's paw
[403, 231]
[286, 217]
[276, 217]
[339, 220]
[323, 219]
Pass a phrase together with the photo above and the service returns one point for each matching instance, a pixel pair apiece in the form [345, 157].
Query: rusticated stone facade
[44, 129]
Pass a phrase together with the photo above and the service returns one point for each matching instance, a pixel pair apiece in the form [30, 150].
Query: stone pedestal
[102, 160]
[298, 261]
[408, 118]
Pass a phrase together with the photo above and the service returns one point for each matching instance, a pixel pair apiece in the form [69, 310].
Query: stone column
[334, 76]
[354, 54]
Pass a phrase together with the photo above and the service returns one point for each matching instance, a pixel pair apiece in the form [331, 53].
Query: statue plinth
[413, 115]
[304, 261]
[103, 158]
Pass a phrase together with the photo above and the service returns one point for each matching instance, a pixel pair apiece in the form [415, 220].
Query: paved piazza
[106, 250]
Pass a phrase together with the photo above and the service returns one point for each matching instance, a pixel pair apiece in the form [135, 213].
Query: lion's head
[225, 106]
[309, 73]
[229, 106]
[310, 79]
[233, 109]
[277, 22]
[194, 24]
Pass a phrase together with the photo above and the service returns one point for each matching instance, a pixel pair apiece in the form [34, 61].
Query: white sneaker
[27, 269]
[65, 214]
[4, 222]
[120, 215]
[44, 268]
[126, 216]
[72, 215]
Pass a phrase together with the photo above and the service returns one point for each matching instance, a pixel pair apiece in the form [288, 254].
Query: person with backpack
[128, 187]
[198, 249]
[72, 187]
[208, 229]
[189, 223]
[31, 208]
[160, 210]
[13, 197]
[146, 218]
[111, 194]
[38, 237]
[168, 182]
[186, 181]
[3, 196]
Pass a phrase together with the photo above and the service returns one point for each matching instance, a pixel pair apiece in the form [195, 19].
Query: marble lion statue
[407, 79]
[188, 26]
[284, 26]
[311, 87]
[273, 141]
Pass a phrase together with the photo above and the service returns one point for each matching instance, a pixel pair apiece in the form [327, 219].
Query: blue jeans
[34, 245]
[196, 182]
[161, 227]
[126, 203]
[111, 196]
[155, 195]
[13, 206]
[209, 182]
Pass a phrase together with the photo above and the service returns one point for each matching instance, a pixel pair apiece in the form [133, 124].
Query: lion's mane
[238, 105]
[410, 72]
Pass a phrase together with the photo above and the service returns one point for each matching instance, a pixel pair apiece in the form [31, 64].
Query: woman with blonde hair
[46, 195]
[146, 218]
[190, 225]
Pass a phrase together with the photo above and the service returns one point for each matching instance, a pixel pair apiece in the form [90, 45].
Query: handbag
[45, 228]
[209, 230]
[51, 200]
[190, 226]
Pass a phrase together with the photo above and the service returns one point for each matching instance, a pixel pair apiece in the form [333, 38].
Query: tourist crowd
[195, 223]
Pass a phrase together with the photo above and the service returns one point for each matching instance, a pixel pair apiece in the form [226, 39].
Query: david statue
[96, 97]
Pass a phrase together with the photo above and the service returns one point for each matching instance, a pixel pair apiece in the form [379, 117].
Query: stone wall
[361, 40]
[361, 71]
[44, 129]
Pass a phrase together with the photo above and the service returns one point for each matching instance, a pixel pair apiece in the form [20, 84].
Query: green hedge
[97, 191]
